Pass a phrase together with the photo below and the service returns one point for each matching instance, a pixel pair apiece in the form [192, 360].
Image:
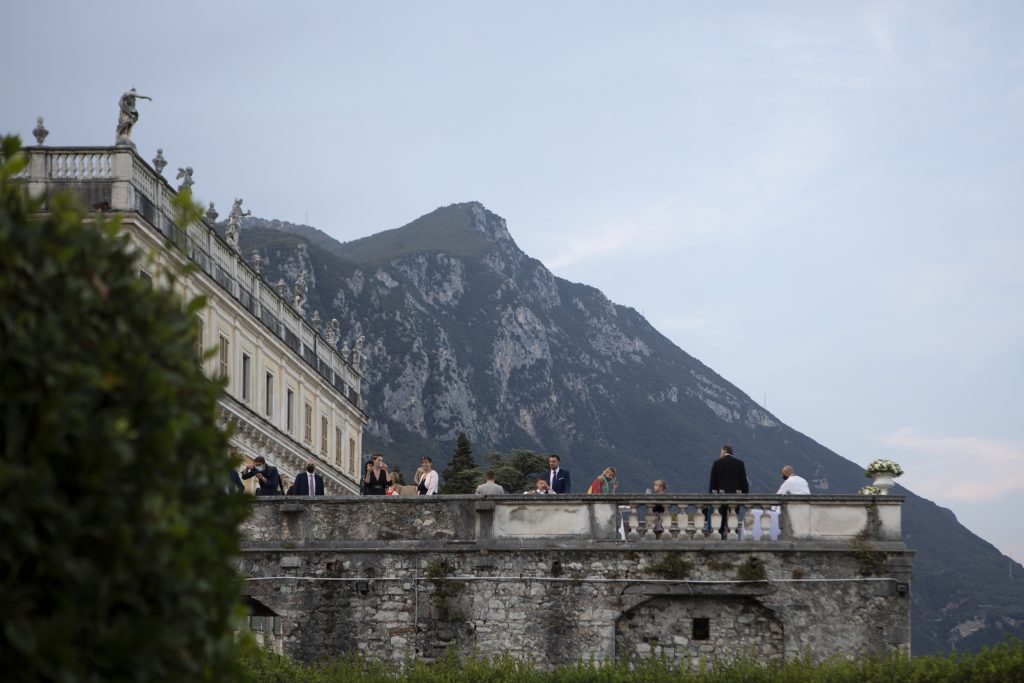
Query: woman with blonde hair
[605, 483]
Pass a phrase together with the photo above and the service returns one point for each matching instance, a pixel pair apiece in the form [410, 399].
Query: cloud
[963, 468]
[588, 247]
[683, 323]
[878, 20]
[664, 225]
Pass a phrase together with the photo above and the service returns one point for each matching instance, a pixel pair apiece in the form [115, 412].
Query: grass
[997, 664]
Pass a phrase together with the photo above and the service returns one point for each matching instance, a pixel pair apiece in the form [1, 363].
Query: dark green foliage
[449, 229]
[461, 475]
[671, 566]
[870, 562]
[516, 471]
[997, 664]
[751, 569]
[115, 563]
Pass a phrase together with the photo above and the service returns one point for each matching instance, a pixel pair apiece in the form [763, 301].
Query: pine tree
[462, 473]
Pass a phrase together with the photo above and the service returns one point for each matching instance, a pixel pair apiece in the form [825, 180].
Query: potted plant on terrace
[883, 472]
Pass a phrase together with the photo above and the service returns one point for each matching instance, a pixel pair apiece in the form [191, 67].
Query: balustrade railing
[148, 193]
[669, 521]
[79, 164]
[699, 518]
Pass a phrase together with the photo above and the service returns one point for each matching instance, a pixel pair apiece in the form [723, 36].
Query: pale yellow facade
[290, 395]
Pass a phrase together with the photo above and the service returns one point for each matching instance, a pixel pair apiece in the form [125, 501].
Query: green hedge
[117, 536]
[999, 664]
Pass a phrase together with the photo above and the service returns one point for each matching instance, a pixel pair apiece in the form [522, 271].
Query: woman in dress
[376, 481]
[605, 483]
[393, 485]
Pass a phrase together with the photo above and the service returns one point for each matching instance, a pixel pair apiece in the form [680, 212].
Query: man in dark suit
[728, 475]
[266, 475]
[308, 483]
[557, 478]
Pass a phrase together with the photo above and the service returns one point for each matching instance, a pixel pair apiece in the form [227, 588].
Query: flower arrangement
[870, 491]
[883, 467]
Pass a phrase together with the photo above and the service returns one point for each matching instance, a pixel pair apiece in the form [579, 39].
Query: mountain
[465, 332]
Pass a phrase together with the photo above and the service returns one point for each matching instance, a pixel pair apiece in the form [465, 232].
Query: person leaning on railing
[606, 483]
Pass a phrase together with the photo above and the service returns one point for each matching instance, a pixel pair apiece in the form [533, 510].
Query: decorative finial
[299, 295]
[257, 261]
[40, 131]
[316, 320]
[129, 115]
[282, 288]
[346, 354]
[158, 161]
[211, 213]
[185, 176]
[235, 223]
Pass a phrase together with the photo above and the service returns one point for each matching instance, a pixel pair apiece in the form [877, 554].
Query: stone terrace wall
[398, 579]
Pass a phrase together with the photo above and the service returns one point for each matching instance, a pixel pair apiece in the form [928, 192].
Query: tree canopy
[461, 475]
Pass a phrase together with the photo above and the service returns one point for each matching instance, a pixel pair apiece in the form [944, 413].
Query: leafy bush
[117, 535]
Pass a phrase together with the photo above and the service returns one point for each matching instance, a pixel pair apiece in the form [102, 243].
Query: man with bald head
[793, 484]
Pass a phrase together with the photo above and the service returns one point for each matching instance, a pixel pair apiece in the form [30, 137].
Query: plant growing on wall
[751, 569]
[671, 566]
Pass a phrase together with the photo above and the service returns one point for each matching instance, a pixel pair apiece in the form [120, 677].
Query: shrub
[118, 536]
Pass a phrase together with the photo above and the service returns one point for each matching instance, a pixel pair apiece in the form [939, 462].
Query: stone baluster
[732, 522]
[716, 523]
[672, 512]
[641, 520]
[700, 523]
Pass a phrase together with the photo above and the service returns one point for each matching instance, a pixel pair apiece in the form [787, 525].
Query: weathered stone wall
[558, 600]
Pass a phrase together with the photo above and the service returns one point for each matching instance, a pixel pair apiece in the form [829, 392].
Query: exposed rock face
[465, 332]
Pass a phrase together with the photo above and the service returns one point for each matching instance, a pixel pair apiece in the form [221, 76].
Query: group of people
[377, 481]
[728, 475]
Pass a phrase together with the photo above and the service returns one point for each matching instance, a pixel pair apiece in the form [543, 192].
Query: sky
[821, 201]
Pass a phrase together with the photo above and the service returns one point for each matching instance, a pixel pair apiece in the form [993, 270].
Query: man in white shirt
[793, 484]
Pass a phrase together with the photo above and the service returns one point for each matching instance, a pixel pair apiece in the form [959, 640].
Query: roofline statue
[129, 115]
[235, 223]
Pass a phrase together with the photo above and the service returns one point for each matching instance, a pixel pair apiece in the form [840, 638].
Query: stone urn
[884, 482]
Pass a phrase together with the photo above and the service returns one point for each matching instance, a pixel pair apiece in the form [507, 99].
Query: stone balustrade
[417, 577]
[671, 520]
[117, 179]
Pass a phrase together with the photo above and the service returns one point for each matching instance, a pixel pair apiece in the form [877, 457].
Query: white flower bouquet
[870, 491]
[883, 467]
